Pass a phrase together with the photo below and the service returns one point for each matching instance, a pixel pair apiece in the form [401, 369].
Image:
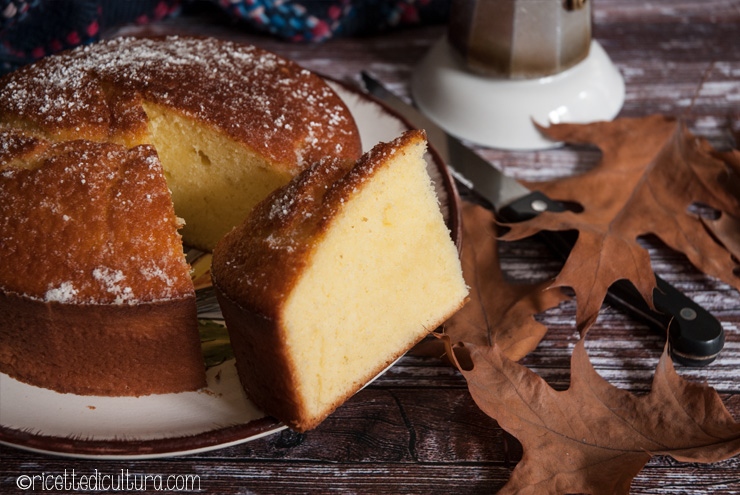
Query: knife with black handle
[695, 337]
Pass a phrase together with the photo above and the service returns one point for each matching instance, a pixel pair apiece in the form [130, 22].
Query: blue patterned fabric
[32, 29]
[318, 20]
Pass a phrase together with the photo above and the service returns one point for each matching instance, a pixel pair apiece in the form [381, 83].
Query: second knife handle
[695, 337]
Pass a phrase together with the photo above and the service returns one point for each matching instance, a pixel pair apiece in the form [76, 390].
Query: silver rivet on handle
[687, 314]
[538, 205]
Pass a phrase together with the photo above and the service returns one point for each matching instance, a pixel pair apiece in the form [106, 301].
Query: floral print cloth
[31, 29]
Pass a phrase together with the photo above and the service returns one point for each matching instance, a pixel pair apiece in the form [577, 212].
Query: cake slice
[95, 293]
[333, 277]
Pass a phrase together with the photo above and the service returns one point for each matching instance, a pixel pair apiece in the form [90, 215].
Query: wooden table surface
[416, 429]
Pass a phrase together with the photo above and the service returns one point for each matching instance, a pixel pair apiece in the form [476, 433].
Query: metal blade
[465, 164]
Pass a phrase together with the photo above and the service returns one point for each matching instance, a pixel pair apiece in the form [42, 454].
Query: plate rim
[86, 448]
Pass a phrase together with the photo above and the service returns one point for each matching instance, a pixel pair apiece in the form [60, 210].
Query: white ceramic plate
[45, 421]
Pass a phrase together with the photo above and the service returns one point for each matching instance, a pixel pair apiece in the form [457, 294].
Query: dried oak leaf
[594, 437]
[498, 311]
[726, 228]
[652, 171]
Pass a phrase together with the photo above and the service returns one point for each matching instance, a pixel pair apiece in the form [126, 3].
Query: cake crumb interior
[215, 180]
[382, 275]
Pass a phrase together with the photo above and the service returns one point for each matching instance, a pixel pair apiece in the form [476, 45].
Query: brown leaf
[498, 311]
[651, 173]
[726, 228]
[682, 174]
[594, 437]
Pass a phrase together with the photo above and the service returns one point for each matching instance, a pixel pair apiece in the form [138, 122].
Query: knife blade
[695, 337]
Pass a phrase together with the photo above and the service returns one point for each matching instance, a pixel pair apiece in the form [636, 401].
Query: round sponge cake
[104, 152]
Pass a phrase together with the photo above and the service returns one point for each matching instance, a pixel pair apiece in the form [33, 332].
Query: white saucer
[498, 113]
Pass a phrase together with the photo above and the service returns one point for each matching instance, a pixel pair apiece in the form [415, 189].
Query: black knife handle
[695, 337]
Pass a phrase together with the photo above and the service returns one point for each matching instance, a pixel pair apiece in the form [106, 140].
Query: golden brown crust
[145, 349]
[19, 150]
[268, 103]
[90, 223]
[266, 370]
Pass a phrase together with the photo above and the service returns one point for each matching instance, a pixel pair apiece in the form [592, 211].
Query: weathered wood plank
[416, 429]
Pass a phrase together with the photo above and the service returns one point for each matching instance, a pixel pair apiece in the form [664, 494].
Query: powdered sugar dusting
[99, 220]
[64, 293]
[113, 282]
[254, 95]
[151, 271]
